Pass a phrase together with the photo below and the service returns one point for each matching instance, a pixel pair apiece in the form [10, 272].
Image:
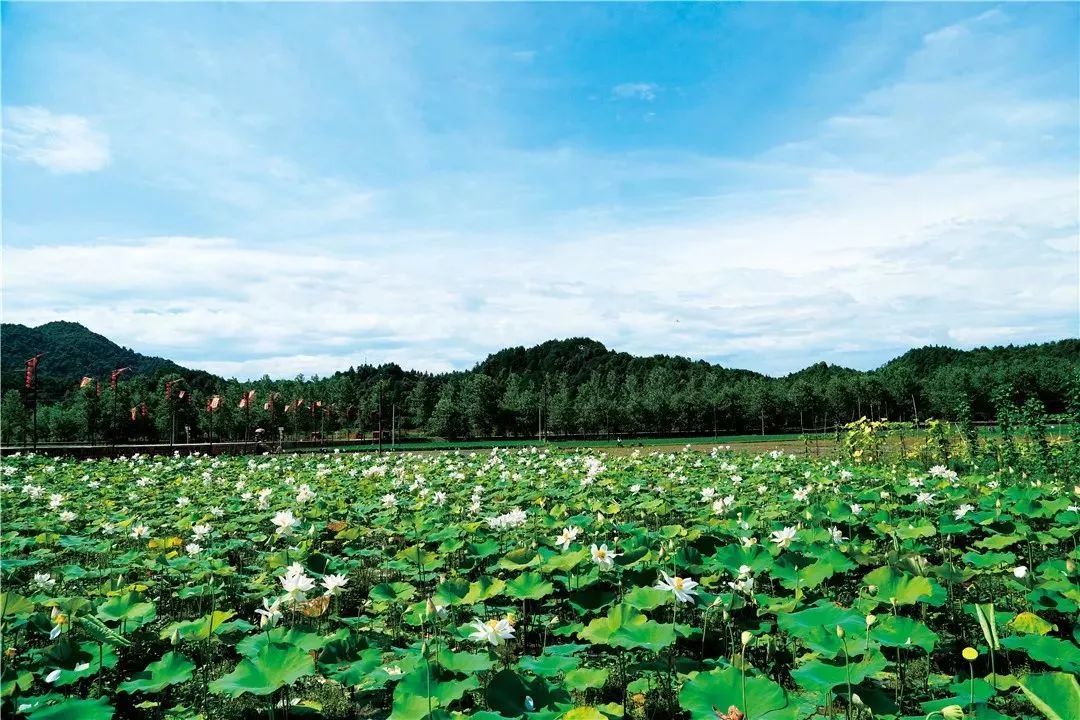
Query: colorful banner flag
[31, 368]
[115, 376]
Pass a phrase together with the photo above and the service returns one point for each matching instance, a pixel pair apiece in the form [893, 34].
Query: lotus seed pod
[970, 654]
[952, 712]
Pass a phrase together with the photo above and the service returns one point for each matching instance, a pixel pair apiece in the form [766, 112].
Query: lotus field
[544, 584]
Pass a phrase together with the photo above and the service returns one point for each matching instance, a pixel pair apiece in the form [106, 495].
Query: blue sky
[264, 188]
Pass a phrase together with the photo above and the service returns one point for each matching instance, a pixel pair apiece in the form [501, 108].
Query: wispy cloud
[57, 142]
[636, 91]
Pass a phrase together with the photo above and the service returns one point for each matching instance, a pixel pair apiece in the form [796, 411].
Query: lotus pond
[549, 585]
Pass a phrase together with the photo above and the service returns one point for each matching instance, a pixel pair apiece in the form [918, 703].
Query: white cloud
[59, 143]
[853, 261]
[636, 91]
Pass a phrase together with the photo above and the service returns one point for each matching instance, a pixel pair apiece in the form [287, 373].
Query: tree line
[573, 387]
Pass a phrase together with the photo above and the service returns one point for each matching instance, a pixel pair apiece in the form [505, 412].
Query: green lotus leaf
[172, 669]
[275, 666]
[1056, 695]
[628, 627]
[1057, 653]
[509, 693]
[252, 645]
[465, 663]
[128, 609]
[420, 693]
[822, 676]
[397, 592]
[529, 586]
[200, 629]
[899, 631]
[548, 665]
[816, 628]
[710, 693]
[997, 542]
[581, 679]
[483, 589]
[564, 562]
[353, 673]
[901, 588]
[988, 560]
[584, 713]
[518, 559]
[75, 709]
[13, 605]
[647, 598]
[1028, 622]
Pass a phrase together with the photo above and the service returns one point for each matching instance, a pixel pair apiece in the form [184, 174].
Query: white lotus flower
[439, 498]
[784, 537]
[856, 508]
[493, 632]
[193, 548]
[707, 494]
[603, 557]
[683, 588]
[285, 522]
[55, 501]
[296, 585]
[389, 500]
[962, 510]
[568, 536]
[182, 501]
[45, 580]
[200, 531]
[837, 536]
[924, 498]
[1020, 572]
[269, 613]
[334, 583]
[67, 516]
[140, 531]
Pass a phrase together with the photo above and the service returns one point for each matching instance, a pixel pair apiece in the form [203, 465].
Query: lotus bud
[839, 632]
[1070, 566]
[174, 639]
[726, 615]
[746, 637]
[952, 712]
[530, 705]
[870, 620]
[429, 607]
[856, 700]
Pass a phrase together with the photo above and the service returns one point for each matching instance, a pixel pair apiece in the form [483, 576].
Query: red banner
[31, 368]
[168, 390]
[115, 376]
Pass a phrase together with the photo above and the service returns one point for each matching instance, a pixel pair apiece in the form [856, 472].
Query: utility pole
[393, 426]
[380, 419]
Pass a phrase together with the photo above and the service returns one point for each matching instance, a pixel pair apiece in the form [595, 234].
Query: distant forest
[564, 387]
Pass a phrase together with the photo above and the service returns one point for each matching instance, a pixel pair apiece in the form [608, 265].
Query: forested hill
[72, 352]
[572, 386]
